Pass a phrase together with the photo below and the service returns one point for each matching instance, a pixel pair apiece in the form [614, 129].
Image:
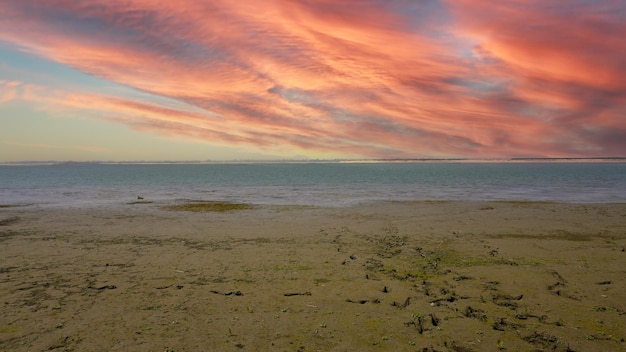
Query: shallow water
[334, 184]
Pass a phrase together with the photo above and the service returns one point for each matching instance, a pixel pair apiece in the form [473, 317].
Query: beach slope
[388, 276]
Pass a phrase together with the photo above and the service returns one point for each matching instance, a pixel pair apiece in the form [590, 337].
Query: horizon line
[311, 161]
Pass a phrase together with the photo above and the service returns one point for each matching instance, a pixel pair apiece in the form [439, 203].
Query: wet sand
[417, 276]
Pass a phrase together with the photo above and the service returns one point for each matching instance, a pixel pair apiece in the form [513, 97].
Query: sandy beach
[388, 276]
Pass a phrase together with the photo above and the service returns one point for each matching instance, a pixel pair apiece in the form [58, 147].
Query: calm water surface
[336, 184]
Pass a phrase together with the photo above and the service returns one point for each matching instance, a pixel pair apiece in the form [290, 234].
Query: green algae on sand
[209, 206]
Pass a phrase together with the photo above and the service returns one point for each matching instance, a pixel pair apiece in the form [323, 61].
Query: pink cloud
[8, 90]
[571, 41]
[354, 78]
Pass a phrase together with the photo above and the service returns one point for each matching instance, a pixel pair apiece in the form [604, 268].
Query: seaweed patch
[209, 206]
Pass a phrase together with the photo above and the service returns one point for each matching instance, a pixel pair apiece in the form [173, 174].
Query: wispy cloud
[350, 78]
[86, 148]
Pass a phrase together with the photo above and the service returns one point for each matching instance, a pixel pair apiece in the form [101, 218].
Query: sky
[131, 80]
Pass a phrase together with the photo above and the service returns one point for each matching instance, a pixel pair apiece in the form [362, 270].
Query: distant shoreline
[314, 161]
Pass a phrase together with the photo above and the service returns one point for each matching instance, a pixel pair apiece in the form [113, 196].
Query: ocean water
[326, 184]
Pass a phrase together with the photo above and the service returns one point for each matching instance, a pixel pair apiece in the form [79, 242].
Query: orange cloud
[565, 63]
[570, 41]
[353, 78]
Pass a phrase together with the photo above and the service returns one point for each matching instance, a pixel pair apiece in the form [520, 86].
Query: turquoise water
[335, 184]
